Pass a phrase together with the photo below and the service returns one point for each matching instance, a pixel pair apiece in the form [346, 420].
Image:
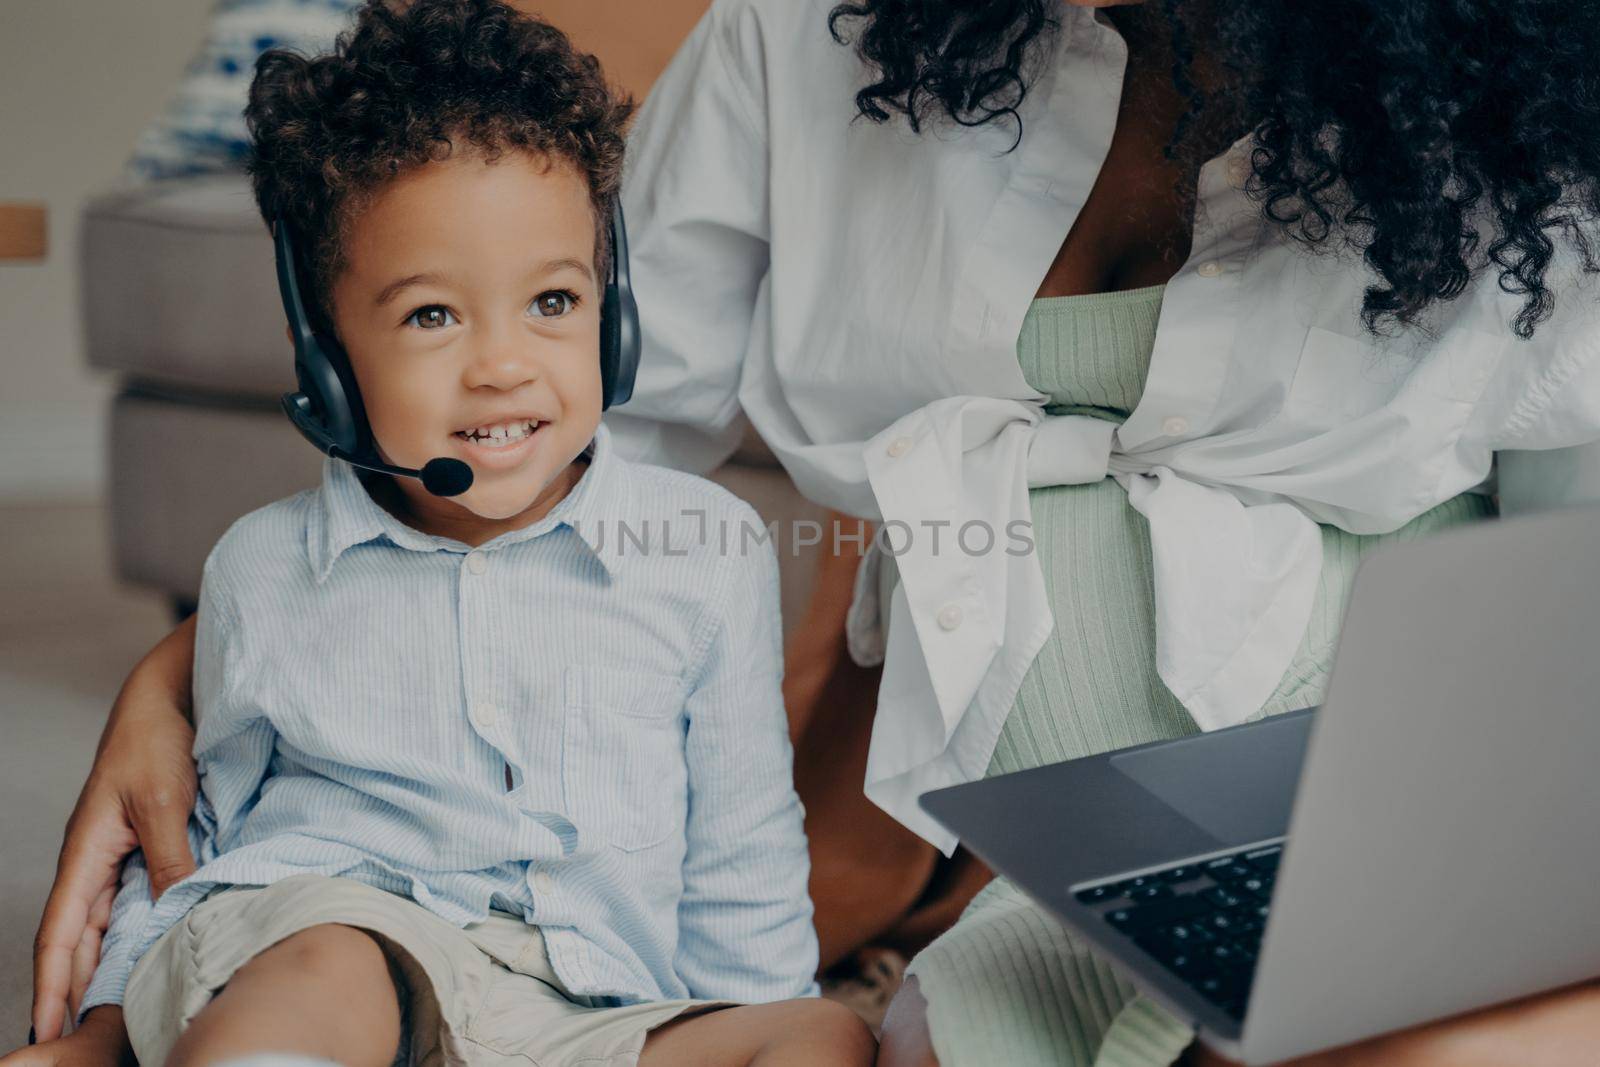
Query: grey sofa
[180, 301]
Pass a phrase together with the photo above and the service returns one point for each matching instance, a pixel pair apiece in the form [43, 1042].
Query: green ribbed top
[1091, 353]
[1094, 686]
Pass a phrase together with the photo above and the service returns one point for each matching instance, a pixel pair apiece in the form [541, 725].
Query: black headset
[327, 409]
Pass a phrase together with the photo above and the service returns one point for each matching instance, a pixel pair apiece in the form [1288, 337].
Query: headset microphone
[441, 477]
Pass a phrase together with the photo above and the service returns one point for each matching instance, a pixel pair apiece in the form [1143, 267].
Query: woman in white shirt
[903, 314]
[860, 290]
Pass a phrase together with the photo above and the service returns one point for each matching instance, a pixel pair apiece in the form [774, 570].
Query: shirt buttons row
[1209, 269]
[477, 562]
[485, 714]
[1174, 425]
[543, 883]
[949, 616]
[898, 447]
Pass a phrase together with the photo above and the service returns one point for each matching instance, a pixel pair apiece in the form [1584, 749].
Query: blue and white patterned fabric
[574, 722]
[203, 129]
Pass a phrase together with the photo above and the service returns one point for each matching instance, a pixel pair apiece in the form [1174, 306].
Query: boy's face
[470, 310]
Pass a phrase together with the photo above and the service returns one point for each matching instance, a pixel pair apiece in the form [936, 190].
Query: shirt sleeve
[1546, 437]
[695, 195]
[1555, 400]
[1552, 478]
[232, 750]
[745, 929]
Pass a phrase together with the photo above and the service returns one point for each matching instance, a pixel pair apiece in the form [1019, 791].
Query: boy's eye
[555, 303]
[432, 317]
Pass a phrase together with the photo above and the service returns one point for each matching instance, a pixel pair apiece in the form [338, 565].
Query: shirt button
[1174, 425]
[477, 562]
[950, 616]
[1209, 269]
[899, 447]
[544, 883]
[485, 714]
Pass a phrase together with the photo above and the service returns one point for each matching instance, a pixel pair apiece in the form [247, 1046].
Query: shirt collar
[345, 515]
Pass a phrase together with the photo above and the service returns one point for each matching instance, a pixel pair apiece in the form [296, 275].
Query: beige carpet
[68, 634]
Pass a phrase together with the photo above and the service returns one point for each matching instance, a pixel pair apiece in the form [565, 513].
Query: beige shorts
[483, 995]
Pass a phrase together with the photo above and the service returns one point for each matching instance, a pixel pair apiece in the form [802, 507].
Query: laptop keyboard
[1202, 920]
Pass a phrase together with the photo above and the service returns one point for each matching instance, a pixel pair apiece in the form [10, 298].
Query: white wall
[78, 80]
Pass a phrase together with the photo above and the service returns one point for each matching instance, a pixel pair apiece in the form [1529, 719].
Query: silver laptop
[1443, 850]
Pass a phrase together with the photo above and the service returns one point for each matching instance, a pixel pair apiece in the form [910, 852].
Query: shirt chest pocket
[1340, 378]
[623, 774]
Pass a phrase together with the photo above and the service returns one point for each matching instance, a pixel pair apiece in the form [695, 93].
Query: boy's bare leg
[325, 992]
[793, 1033]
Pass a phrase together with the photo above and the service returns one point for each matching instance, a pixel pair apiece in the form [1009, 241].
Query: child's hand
[102, 1041]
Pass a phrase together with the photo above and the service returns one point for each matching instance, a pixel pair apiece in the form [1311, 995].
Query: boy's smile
[470, 307]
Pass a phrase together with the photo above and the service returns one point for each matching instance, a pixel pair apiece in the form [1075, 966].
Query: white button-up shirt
[857, 291]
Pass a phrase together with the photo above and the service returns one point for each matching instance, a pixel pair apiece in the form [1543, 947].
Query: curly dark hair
[409, 82]
[1411, 130]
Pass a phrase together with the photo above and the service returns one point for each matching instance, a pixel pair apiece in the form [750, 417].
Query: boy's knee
[836, 1030]
[330, 950]
[332, 982]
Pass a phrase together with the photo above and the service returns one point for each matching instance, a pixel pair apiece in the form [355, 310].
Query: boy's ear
[288, 334]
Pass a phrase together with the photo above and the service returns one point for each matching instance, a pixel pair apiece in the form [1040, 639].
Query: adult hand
[139, 794]
[102, 1041]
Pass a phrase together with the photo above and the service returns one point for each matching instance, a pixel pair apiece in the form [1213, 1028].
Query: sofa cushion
[182, 472]
[179, 289]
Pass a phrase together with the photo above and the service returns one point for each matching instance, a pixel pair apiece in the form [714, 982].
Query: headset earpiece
[619, 322]
[327, 408]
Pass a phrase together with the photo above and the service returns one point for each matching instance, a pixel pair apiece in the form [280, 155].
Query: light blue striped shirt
[579, 722]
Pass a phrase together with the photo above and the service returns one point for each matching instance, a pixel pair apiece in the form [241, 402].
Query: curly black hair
[409, 83]
[1437, 137]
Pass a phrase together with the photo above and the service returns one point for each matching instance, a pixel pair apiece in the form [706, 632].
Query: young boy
[483, 779]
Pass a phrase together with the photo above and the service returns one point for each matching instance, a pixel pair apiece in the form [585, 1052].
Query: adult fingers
[160, 819]
[84, 957]
[87, 955]
[98, 837]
